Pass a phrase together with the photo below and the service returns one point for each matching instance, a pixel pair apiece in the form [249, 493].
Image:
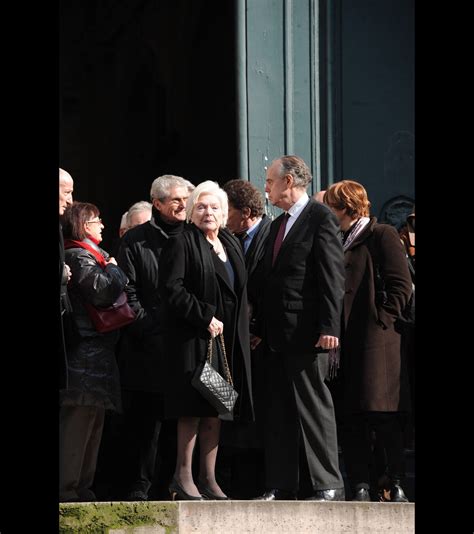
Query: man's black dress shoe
[328, 495]
[137, 495]
[361, 494]
[276, 495]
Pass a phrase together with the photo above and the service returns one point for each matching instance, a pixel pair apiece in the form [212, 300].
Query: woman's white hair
[208, 188]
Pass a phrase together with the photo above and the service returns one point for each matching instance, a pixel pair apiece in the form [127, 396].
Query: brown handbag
[217, 390]
[113, 317]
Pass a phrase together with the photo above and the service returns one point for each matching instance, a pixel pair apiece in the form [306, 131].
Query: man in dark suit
[247, 221]
[303, 288]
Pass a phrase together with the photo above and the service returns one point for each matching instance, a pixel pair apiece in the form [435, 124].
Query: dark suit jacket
[303, 291]
[253, 262]
[256, 250]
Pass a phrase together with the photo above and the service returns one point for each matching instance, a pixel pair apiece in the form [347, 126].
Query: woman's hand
[254, 341]
[215, 327]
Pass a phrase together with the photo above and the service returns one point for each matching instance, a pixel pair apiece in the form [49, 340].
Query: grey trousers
[80, 432]
[299, 409]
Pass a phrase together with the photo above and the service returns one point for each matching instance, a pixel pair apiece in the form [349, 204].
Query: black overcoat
[194, 287]
[140, 351]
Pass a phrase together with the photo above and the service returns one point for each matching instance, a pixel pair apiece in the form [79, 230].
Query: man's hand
[67, 273]
[327, 342]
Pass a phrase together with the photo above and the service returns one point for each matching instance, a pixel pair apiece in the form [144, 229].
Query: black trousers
[357, 445]
[299, 411]
[142, 416]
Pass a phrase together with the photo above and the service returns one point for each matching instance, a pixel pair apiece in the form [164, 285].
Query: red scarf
[72, 243]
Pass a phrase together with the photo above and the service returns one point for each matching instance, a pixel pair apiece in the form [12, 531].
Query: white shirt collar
[298, 206]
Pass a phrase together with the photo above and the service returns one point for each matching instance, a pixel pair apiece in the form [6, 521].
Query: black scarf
[167, 229]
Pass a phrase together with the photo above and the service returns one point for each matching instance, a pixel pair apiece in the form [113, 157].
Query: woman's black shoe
[206, 492]
[391, 491]
[177, 493]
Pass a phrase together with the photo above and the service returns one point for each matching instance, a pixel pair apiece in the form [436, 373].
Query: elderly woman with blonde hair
[203, 290]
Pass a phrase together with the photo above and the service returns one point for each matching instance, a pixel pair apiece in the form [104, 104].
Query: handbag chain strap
[226, 365]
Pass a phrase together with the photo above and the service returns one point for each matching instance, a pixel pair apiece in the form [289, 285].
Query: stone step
[237, 517]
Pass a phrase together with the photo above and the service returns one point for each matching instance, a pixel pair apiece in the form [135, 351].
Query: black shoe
[393, 494]
[328, 495]
[276, 495]
[178, 494]
[137, 495]
[361, 494]
[206, 492]
[86, 495]
[390, 490]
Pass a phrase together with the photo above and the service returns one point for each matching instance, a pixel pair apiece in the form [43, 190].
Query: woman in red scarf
[92, 381]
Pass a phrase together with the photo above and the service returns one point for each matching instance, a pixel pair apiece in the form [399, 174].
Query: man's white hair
[138, 207]
[162, 186]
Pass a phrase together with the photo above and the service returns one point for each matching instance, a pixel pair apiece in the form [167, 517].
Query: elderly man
[66, 187]
[140, 351]
[303, 288]
[138, 213]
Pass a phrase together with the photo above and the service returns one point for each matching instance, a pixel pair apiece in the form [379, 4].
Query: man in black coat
[66, 187]
[247, 220]
[303, 288]
[140, 350]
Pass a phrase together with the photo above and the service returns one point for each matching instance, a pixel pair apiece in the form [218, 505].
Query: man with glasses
[140, 350]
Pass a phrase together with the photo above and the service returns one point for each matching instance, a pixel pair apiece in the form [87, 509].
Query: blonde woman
[203, 289]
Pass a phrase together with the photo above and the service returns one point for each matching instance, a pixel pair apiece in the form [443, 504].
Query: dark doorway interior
[146, 88]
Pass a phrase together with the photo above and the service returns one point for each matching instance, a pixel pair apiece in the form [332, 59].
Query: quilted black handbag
[216, 389]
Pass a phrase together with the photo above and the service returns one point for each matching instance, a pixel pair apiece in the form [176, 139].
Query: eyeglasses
[91, 222]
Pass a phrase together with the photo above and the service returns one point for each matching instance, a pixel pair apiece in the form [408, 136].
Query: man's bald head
[319, 196]
[66, 187]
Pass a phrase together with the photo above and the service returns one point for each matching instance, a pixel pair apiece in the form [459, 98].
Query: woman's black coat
[92, 373]
[194, 287]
